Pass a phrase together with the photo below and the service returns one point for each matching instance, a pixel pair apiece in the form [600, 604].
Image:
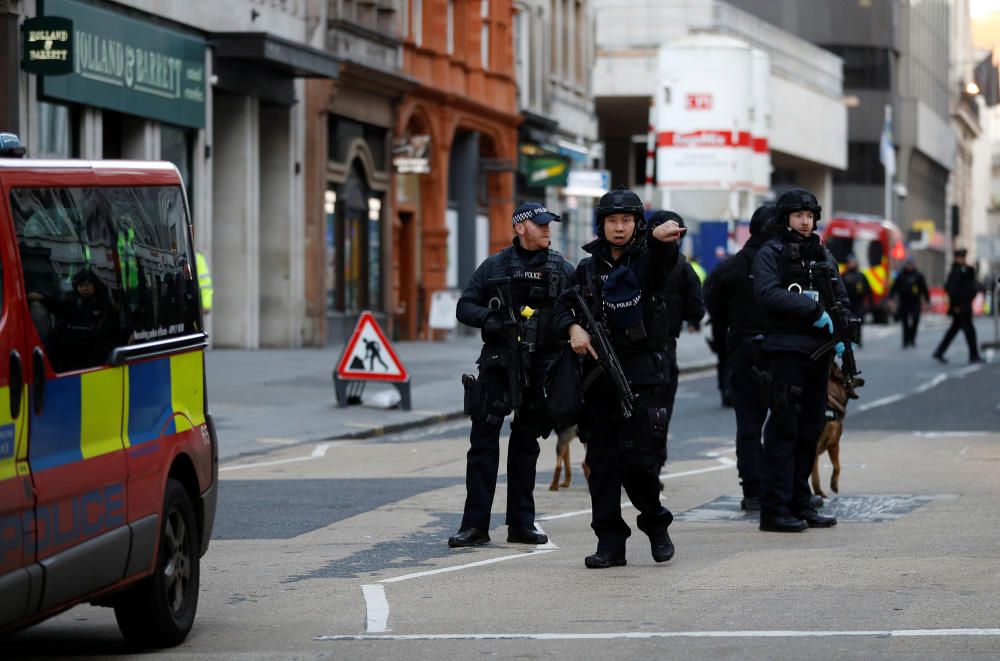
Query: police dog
[829, 439]
[565, 438]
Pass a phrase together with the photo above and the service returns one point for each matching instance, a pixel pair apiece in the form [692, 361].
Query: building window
[56, 134]
[863, 165]
[567, 42]
[484, 42]
[582, 41]
[451, 27]
[864, 68]
[417, 25]
[522, 50]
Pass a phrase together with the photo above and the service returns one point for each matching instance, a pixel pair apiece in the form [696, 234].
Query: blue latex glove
[839, 348]
[824, 320]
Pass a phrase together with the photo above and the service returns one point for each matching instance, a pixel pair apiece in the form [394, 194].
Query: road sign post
[368, 356]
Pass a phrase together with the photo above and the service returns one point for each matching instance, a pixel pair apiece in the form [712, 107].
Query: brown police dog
[565, 438]
[829, 440]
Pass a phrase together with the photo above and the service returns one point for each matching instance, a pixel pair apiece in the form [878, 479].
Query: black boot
[469, 537]
[604, 559]
[816, 520]
[525, 536]
[750, 504]
[771, 522]
[662, 547]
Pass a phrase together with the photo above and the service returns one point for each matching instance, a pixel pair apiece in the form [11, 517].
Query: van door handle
[16, 384]
[38, 380]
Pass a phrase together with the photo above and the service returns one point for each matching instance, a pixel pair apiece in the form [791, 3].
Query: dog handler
[787, 273]
[510, 298]
[622, 284]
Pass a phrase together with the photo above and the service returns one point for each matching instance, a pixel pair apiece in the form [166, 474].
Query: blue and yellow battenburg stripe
[95, 413]
[12, 442]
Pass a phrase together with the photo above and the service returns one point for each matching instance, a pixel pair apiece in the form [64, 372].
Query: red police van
[108, 456]
[878, 246]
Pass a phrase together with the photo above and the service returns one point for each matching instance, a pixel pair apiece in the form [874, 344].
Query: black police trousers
[909, 317]
[798, 413]
[612, 467]
[672, 375]
[751, 412]
[483, 459]
[961, 321]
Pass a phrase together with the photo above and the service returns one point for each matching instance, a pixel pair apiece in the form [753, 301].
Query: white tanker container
[761, 123]
[709, 109]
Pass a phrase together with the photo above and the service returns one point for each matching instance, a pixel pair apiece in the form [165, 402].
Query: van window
[104, 267]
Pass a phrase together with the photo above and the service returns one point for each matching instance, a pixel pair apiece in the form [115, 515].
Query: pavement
[261, 399]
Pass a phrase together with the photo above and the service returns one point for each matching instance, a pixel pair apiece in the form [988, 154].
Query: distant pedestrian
[859, 292]
[910, 291]
[204, 283]
[962, 288]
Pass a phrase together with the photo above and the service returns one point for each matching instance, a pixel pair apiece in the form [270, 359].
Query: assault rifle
[606, 357]
[846, 329]
[517, 372]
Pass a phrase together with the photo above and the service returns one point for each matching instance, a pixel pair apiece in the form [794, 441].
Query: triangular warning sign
[369, 356]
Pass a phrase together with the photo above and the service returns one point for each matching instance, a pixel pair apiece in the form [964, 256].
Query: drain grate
[857, 509]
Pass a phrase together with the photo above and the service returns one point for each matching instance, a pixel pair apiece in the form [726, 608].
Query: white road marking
[317, 453]
[922, 388]
[892, 633]
[933, 382]
[881, 402]
[445, 570]
[377, 608]
[942, 434]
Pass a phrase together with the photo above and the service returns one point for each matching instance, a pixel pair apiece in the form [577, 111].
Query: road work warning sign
[369, 356]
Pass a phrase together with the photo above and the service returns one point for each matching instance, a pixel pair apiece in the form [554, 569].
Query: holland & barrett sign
[127, 65]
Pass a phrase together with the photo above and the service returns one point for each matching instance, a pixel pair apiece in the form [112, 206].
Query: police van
[108, 455]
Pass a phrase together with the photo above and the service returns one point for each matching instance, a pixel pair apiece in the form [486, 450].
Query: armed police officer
[797, 285]
[736, 315]
[619, 296]
[510, 297]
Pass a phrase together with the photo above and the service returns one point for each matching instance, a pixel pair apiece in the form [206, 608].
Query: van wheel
[159, 610]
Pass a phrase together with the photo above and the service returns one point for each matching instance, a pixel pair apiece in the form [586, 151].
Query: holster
[647, 430]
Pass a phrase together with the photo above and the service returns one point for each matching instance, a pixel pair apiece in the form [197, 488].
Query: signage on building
[410, 154]
[545, 171]
[47, 45]
[129, 66]
[699, 102]
[587, 183]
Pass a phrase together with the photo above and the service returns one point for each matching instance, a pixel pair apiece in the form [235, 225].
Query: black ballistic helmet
[620, 200]
[798, 199]
[762, 218]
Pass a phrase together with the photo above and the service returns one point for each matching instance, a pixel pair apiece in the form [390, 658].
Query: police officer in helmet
[736, 315]
[510, 297]
[795, 282]
[622, 285]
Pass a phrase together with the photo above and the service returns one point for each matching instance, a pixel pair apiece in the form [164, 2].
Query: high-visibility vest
[699, 271]
[204, 281]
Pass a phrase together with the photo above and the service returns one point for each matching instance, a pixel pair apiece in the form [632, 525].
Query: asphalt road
[339, 549]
